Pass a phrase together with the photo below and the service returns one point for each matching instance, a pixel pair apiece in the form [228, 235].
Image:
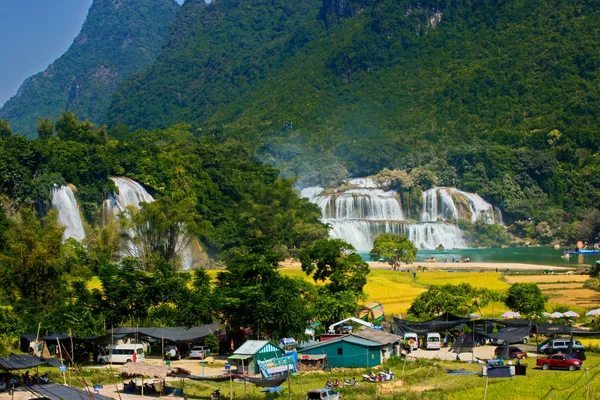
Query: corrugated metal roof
[349, 339]
[377, 336]
[254, 346]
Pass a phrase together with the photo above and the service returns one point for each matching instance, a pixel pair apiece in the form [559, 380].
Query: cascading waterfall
[451, 204]
[64, 201]
[131, 193]
[360, 213]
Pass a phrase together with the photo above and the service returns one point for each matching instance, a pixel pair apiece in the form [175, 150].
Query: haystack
[131, 370]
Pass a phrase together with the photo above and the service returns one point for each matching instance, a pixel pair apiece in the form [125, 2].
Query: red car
[559, 361]
[513, 352]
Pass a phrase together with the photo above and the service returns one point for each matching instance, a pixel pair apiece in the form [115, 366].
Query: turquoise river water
[527, 255]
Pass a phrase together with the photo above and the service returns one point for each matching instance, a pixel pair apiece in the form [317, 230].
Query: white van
[122, 353]
[433, 341]
[412, 340]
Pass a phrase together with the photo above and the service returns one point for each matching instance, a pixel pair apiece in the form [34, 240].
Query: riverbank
[487, 266]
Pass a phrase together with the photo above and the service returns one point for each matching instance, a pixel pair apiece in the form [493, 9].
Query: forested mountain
[497, 97]
[118, 38]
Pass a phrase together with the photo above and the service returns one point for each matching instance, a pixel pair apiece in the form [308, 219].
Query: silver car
[323, 394]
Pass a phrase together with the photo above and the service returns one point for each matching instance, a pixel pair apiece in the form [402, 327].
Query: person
[354, 381]
[446, 341]
[500, 362]
[458, 357]
[518, 361]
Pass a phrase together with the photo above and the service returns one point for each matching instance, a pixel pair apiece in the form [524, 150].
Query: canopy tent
[352, 319]
[176, 334]
[60, 392]
[510, 335]
[402, 326]
[20, 361]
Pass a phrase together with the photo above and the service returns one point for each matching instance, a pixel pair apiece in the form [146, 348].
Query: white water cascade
[451, 204]
[362, 212]
[131, 193]
[64, 201]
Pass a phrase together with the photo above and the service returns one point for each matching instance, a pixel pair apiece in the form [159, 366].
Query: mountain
[118, 38]
[501, 98]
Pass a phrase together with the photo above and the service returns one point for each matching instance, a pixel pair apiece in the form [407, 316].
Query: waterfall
[131, 193]
[451, 204]
[364, 210]
[426, 236]
[64, 201]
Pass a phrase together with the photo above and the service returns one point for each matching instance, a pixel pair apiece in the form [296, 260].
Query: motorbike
[370, 378]
[333, 384]
[351, 382]
[386, 376]
[216, 395]
[41, 379]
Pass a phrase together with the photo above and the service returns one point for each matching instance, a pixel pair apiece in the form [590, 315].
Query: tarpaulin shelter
[174, 335]
[61, 392]
[20, 361]
[438, 324]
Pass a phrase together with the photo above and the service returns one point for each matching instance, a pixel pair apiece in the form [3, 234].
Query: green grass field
[421, 379]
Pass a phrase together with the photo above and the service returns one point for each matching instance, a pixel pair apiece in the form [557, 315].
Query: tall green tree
[158, 231]
[337, 263]
[461, 299]
[5, 129]
[394, 248]
[45, 128]
[526, 298]
[252, 294]
[32, 265]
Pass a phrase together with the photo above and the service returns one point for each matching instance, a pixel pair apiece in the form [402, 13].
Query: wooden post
[142, 385]
[289, 383]
[230, 385]
[243, 372]
[61, 361]
[485, 390]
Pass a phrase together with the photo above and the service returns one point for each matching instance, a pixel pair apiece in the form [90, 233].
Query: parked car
[122, 353]
[199, 352]
[513, 352]
[172, 352]
[323, 394]
[433, 341]
[559, 361]
[552, 346]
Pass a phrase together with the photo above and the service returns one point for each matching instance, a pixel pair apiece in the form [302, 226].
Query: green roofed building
[348, 352]
[247, 355]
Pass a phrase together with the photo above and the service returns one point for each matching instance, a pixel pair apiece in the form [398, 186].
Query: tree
[212, 343]
[32, 266]
[159, 230]
[460, 299]
[252, 294]
[526, 298]
[337, 262]
[45, 128]
[5, 129]
[394, 248]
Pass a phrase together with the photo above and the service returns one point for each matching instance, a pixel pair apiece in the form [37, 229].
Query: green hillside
[116, 40]
[500, 98]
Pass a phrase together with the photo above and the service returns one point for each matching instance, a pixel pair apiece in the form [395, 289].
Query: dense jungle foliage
[239, 209]
[498, 98]
[116, 40]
